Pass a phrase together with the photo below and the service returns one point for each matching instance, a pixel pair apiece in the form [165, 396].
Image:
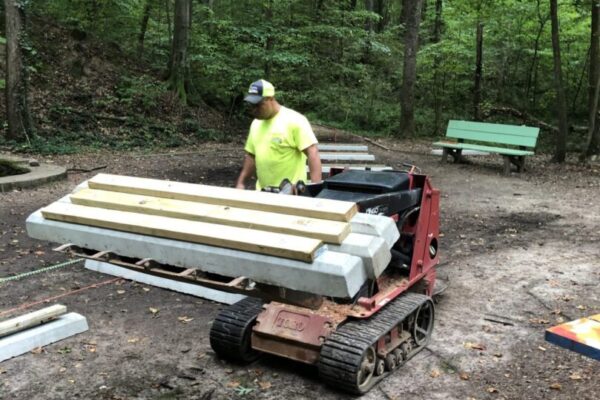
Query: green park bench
[513, 142]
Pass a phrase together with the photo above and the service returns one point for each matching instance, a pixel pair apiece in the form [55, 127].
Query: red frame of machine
[298, 332]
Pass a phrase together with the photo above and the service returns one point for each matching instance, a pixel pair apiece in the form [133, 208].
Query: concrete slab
[326, 168]
[331, 273]
[61, 328]
[376, 225]
[373, 251]
[347, 157]
[37, 176]
[342, 147]
[181, 287]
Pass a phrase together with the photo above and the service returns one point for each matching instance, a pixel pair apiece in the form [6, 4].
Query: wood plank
[325, 230]
[38, 317]
[274, 244]
[293, 205]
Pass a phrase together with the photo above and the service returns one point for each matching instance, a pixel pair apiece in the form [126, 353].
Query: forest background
[146, 73]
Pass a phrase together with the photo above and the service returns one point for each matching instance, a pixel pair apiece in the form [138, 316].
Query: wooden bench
[513, 142]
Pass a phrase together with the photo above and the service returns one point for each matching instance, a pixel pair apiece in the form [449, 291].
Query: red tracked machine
[354, 343]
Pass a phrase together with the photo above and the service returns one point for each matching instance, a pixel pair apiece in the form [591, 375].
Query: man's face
[262, 110]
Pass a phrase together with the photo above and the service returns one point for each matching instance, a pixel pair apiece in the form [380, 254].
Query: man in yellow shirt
[279, 142]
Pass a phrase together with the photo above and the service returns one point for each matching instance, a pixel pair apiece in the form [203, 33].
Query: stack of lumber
[315, 245]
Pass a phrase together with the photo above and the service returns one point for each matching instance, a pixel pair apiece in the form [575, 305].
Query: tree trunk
[269, 44]
[144, 27]
[478, 73]
[369, 6]
[179, 56]
[17, 108]
[409, 75]
[593, 141]
[561, 138]
[382, 8]
[437, 36]
[534, 61]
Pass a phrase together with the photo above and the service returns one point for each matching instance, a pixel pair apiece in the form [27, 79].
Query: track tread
[342, 352]
[231, 327]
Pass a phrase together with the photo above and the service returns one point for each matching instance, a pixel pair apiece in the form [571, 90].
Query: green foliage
[339, 65]
[138, 91]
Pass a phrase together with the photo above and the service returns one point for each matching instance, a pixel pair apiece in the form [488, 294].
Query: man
[279, 142]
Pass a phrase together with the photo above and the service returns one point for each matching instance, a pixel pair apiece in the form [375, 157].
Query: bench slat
[490, 149]
[514, 130]
[493, 133]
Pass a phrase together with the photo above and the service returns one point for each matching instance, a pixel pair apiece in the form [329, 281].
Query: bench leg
[519, 162]
[521, 166]
[445, 155]
[507, 164]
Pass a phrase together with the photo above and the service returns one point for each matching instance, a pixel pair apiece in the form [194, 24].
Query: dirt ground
[520, 249]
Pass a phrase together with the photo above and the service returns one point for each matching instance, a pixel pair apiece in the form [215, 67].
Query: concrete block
[182, 287]
[342, 147]
[373, 251]
[42, 335]
[331, 273]
[376, 225]
[347, 156]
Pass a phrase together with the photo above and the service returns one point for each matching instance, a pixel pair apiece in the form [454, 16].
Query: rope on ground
[39, 271]
[49, 299]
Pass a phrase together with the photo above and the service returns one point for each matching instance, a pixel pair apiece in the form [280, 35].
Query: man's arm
[314, 163]
[248, 169]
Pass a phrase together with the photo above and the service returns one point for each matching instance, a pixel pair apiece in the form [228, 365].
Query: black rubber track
[231, 330]
[341, 354]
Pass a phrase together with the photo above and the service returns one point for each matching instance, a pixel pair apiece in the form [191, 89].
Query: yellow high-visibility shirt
[277, 145]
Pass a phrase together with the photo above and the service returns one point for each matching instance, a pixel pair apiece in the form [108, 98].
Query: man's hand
[248, 169]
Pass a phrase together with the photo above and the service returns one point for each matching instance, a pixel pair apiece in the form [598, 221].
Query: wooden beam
[293, 205]
[325, 230]
[274, 244]
[38, 317]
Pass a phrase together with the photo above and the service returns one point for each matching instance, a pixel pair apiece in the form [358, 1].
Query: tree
[412, 11]
[592, 144]
[178, 69]
[144, 27]
[478, 74]
[561, 102]
[17, 109]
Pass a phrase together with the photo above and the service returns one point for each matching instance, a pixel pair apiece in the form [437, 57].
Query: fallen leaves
[474, 346]
[153, 310]
[556, 386]
[435, 373]
[185, 319]
[464, 376]
[133, 340]
[491, 390]
[539, 321]
[575, 376]
[264, 385]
